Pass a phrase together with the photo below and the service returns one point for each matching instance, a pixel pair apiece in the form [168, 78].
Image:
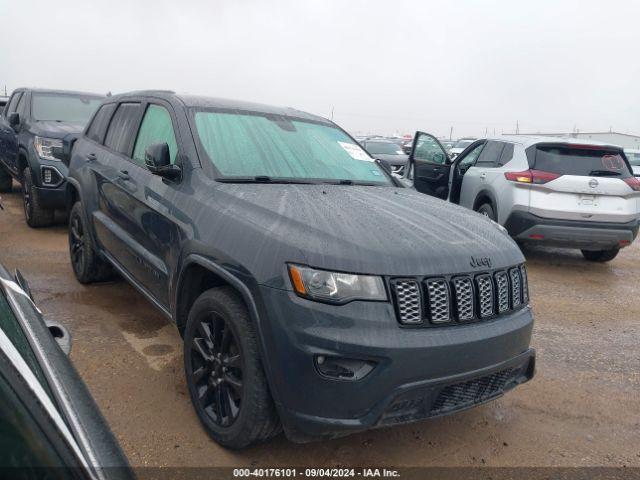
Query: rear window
[587, 162]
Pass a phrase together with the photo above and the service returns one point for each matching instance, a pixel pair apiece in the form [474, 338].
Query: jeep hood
[374, 230]
[54, 129]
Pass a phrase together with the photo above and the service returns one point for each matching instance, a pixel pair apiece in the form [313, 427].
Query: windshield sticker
[355, 152]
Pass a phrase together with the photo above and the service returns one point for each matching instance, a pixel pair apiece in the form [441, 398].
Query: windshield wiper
[266, 179]
[604, 173]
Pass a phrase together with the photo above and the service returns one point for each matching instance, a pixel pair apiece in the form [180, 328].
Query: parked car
[560, 192]
[633, 155]
[51, 427]
[389, 152]
[33, 123]
[313, 294]
[447, 144]
[459, 146]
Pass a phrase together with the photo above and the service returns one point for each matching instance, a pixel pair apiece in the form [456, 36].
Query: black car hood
[375, 230]
[53, 129]
[393, 159]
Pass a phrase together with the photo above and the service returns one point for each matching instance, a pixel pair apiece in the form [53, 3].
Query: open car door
[430, 166]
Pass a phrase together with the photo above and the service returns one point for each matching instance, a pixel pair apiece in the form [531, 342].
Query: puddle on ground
[160, 350]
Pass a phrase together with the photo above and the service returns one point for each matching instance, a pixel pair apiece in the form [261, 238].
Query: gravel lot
[582, 408]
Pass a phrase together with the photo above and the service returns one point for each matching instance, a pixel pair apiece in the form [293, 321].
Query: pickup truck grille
[459, 298]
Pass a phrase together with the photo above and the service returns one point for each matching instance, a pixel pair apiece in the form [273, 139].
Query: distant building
[623, 140]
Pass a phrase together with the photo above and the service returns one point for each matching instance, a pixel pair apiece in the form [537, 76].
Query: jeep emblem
[479, 262]
[593, 183]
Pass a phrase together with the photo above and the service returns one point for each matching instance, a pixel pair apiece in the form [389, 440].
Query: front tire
[487, 210]
[34, 213]
[87, 265]
[224, 373]
[601, 255]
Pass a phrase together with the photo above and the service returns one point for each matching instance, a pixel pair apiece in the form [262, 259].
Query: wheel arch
[200, 272]
[486, 196]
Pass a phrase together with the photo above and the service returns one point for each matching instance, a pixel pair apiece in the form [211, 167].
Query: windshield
[463, 143]
[634, 158]
[384, 148]
[63, 107]
[249, 145]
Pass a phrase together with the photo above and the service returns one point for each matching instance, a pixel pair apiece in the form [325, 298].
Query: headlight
[44, 147]
[335, 287]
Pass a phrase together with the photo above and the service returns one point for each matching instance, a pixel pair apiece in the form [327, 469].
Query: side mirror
[60, 334]
[63, 153]
[384, 165]
[157, 159]
[14, 120]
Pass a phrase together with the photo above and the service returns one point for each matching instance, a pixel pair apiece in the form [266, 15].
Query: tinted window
[121, 128]
[384, 148]
[156, 127]
[490, 154]
[588, 162]
[20, 108]
[428, 149]
[255, 144]
[507, 154]
[100, 122]
[63, 107]
[13, 103]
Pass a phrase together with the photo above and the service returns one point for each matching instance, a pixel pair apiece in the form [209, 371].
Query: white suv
[559, 192]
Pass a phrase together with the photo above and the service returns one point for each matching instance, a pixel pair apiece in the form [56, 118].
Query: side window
[100, 122]
[507, 155]
[20, 108]
[471, 157]
[490, 155]
[156, 127]
[428, 150]
[13, 103]
[121, 127]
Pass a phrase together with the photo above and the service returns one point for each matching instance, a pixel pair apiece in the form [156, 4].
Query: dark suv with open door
[312, 292]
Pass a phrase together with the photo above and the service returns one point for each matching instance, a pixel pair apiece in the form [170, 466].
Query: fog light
[47, 176]
[341, 368]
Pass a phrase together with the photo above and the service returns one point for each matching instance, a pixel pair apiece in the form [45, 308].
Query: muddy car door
[51, 427]
[430, 165]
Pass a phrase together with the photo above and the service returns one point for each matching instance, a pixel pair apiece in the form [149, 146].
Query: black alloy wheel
[76, 243]
[216, 370]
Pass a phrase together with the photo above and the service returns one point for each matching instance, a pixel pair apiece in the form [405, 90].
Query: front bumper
[419, 372]
[585, 235]
[52, 198]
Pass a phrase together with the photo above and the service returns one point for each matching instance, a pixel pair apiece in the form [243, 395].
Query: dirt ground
[581, 409]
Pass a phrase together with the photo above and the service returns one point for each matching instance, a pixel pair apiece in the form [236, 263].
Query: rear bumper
[585, 235]
[418, 372]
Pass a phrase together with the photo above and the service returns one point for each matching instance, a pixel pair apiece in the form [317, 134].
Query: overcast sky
[382, 66]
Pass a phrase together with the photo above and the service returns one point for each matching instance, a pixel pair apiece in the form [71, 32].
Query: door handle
[91, 157]
[124, 175]
[483, 176]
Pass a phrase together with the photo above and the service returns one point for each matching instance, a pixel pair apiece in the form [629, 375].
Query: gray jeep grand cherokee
[313, 293]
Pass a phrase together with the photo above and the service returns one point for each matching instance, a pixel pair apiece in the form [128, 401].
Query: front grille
[514, 276]
[485, 295]
[460, 298]
[464, 298]
[407, 295]
[439, 300]
[471, 392]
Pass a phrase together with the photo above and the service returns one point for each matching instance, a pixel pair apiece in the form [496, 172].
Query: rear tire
[6, 181]
[87, 265]
[226, 380]
[601, 255]
[487, 210]
[34, 213]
